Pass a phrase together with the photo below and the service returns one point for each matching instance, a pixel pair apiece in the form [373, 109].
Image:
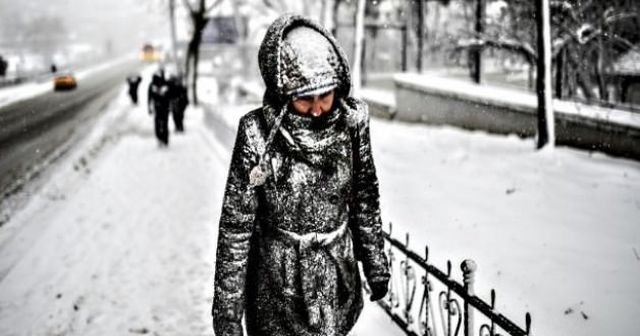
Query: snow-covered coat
[289, 243]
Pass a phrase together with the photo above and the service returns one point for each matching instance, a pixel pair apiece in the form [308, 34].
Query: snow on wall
[522, 101]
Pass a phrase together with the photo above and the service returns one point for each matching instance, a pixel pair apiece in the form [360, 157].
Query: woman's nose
[316, 108]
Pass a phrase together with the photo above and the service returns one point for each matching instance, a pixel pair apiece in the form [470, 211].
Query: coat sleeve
[235, 229]
[365, 212]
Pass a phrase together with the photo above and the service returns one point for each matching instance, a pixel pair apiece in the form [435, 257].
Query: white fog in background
[56, 30]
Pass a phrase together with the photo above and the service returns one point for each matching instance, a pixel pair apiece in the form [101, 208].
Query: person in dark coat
[178, 101]
[158, 97]
[301, 203]
[133, 82]
[157, 80]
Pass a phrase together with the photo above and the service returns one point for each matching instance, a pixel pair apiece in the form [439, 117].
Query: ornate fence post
[468, 271]
[449, 306]
[427, 296]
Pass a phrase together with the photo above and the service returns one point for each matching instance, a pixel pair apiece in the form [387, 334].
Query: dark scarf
[317, 140]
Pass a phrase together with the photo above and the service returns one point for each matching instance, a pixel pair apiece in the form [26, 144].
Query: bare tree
[589, 36]
[513, 32]
[198, 15]
[415, 14]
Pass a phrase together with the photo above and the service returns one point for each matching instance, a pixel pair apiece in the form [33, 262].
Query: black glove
[378, 290]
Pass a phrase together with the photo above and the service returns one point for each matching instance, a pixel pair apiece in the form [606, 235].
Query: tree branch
[521, 48]
[621, 40]
[187, 4]
[615, 17]
[565, 7]
[213, 5]
[585, 7]
[577, 34]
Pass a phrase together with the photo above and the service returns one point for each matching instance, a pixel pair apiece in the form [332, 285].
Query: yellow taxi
[64, 82]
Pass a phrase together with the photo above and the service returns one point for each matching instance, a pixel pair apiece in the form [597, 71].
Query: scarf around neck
[316, 140]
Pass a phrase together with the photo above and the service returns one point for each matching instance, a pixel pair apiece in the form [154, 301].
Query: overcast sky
[124, 22]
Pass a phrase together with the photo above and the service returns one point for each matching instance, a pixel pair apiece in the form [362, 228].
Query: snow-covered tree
[587, 36]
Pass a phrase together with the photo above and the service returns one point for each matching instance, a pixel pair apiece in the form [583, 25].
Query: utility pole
[546, 127]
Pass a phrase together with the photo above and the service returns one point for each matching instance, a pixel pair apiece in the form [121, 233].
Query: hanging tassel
[259, 174]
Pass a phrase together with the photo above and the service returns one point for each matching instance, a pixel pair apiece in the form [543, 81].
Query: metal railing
[442, 313]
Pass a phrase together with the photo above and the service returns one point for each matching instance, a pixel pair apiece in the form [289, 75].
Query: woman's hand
[378, 290]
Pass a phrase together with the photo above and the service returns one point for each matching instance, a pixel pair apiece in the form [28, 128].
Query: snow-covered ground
[121, 240]
[556, 233]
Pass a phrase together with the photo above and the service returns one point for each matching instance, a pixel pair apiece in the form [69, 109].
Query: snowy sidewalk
[128, 249]
[122, 239]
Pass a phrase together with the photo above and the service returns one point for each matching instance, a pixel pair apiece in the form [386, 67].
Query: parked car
[64, 82]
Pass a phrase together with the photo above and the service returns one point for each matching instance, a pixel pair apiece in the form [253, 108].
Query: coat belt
[312, 266]
[310, 240]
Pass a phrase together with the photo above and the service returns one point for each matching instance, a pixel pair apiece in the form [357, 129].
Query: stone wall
[441, 101]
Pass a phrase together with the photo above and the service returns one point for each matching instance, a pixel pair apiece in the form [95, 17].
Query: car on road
[64, 82]
[150, 53]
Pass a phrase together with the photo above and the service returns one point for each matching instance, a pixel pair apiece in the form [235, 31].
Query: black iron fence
[425, 301]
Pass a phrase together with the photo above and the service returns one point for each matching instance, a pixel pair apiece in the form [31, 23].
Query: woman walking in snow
[301, 204]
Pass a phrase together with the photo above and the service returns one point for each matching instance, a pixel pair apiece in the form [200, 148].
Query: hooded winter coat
[301, 204]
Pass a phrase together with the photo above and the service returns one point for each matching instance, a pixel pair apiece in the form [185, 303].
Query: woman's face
[315, 106]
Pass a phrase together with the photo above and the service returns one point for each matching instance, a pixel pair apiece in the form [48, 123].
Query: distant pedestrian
[134, 81]
[4, 64]
[178, 101]
[157, 79]
[301, 204]
[159, 106]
